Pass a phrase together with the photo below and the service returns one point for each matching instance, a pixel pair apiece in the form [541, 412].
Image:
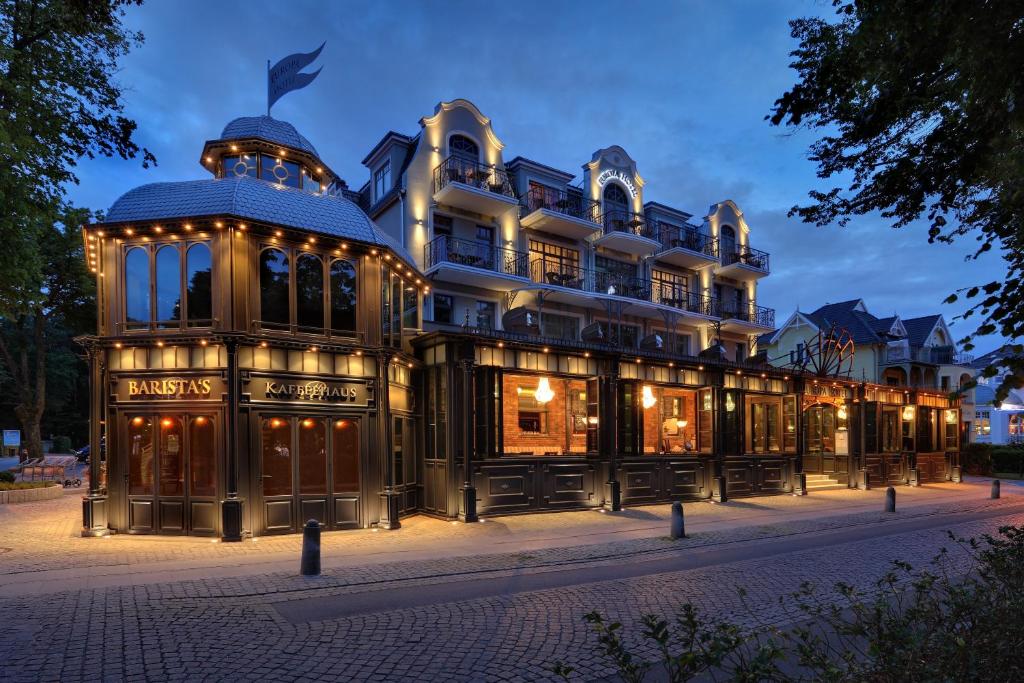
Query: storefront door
[172, 480]
[309, 469]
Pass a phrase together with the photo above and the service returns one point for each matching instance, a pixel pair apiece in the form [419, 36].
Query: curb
[31, 495]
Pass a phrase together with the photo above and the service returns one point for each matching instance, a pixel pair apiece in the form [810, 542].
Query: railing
[563, 202]
[457, 169]
[675, 237]
[571, 276]
[747, 256]
[677, 296]
[757, 315]
[446, 249]
[937, 355]
[629, 223]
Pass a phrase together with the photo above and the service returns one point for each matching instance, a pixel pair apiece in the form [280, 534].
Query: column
[94, 505]
[390, 497]
[467, 512]
[231, 506]
[610, 422]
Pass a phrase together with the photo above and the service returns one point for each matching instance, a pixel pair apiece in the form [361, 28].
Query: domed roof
[253, 200]
[269, 129]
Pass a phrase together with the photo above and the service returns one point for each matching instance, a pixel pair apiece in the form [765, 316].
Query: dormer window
[382, 181]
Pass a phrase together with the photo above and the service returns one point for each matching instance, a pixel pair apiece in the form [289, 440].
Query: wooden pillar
[231, 507]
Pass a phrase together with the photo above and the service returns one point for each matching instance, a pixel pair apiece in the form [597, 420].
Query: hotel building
[463, 335]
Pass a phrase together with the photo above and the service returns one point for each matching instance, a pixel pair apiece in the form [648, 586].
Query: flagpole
[268, 88]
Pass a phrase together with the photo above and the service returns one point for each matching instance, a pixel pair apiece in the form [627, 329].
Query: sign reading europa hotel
[314, 391]
[609, 174]
[169, 388]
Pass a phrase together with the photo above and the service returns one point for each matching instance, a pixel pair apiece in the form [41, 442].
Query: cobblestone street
[421, 603]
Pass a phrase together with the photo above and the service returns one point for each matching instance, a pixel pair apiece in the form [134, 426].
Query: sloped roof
[846, 315]
[254, 200]
[269, 129]
[985, 360]
[918, 329]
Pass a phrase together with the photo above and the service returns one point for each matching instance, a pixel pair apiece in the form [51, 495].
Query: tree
[63, 303]
[920, 104]
[59, 102]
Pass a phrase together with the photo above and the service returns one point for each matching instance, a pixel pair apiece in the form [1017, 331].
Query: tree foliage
[59, 102]
[920, 104]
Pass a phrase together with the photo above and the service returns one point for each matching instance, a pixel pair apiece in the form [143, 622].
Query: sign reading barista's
[169, 388]
[274, 390]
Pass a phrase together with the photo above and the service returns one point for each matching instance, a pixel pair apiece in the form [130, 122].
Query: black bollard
[678, 525]
[995, 489]
[890, 499]
[311, 549]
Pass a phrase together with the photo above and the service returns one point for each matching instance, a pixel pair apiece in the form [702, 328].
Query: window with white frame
[382, 181]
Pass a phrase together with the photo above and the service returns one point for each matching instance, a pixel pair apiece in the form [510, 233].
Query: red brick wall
[557, 438]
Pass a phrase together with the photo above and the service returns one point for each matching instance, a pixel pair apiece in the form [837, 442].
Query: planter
[31, 495]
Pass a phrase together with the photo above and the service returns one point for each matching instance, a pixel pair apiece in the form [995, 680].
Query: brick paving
[227, 627]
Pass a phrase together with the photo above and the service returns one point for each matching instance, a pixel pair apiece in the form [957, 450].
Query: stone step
[834, 486]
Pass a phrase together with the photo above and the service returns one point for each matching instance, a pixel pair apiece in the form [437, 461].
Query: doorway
[173, 461]
[309, 469]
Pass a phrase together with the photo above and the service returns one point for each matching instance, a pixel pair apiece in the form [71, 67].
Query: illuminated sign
[309, 391]
[610, 174]
[169, 388]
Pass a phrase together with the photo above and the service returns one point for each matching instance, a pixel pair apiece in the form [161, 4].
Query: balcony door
[728, 244]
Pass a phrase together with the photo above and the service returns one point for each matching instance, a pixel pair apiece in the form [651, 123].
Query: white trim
[789, 323]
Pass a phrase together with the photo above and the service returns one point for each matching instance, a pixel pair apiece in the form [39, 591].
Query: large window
[771, 424]
[168, 285]
[544, 415]
[559, 326]
[399, 307]
[891, 437]
[820, 429]
[555, 265]
[277, 456]
[140, 456]
[316, 310]
[281, 171]
[172, 455]
[615, 198]
[982, 423]
[274, 277]
[345, 454]
[670, 420]
[444, 308]
[313, 455]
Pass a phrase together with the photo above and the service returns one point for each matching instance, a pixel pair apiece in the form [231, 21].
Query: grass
[19, 485]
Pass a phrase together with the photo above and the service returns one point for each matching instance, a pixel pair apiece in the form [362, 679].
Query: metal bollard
[890, 499]
[678, 524]
[310, 549]
[995, 488]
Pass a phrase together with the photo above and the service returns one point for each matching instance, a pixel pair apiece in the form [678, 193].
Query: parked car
[83, 453]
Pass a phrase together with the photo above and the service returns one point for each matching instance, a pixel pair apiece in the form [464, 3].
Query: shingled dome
[254, 200]
[268, 129]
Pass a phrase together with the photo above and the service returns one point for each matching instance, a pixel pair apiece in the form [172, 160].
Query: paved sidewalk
[41, 550]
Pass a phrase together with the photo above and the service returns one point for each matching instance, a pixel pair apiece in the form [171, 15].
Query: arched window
[343, 296]
[309, 291]
[168, 283]
[728, 245]
[136, 281]
[615, 198]
[461, 146]
[274, 287]
[197, 282]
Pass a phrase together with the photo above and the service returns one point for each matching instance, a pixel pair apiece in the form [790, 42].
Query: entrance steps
[822, 482]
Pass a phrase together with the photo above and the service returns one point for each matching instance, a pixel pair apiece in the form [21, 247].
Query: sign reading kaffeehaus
[169, 388]
[291, 390]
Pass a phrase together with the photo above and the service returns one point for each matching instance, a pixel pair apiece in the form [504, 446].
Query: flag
[285, 76]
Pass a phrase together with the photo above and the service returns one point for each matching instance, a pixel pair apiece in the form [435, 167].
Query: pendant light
[647, 397]
[544, 392]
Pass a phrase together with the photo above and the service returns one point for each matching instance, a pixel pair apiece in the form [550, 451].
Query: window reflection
[312, 455]
[309, 290]
[277, 456]
[345, 456]
[202, 457]
[172, 457]
[281, 171]
[274, 287]
[198, 280]
[140, 456]
[764, 431]
[343, 296]
[670, 421]
[136, 266]
[168, 284]
[240, 165]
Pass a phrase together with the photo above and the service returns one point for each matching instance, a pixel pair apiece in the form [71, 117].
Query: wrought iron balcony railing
[446, 249]
[676, 237]
[747, 256]
[567, 274]
[456, 169]
[563, 202]
[678, 296]
[757, 315]
[629, 223]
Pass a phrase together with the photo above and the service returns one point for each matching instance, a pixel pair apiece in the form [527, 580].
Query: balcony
[469, 185]
[933, 355]
[687, 247]
[678, 297]
[561, 213]
[450, 259]
[744, 263]
[745, 318]
[628, 232]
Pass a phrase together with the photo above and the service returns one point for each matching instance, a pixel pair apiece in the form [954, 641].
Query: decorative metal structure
[830, 354]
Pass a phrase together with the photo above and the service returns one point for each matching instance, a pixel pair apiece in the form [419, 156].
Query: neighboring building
[1002, 424]
[894, 351]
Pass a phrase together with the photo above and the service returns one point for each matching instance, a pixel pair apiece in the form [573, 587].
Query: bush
[941, 625]
[61, 444]
[1008, 459]
[976, 458]
[7, 477]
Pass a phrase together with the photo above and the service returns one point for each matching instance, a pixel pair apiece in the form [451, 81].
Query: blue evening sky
[682, 86]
